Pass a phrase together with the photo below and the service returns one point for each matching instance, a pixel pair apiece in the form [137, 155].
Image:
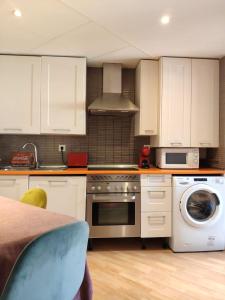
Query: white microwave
[177, 158]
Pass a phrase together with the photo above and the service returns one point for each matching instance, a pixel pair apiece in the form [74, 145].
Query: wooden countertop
[85, 171]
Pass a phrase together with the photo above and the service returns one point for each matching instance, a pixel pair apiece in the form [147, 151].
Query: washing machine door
[201, 205]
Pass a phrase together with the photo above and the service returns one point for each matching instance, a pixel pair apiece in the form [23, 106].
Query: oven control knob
[108, 187]
[134, 187]
[99, 188]
[93, 188]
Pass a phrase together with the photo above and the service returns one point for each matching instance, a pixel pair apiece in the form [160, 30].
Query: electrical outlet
[62, 148]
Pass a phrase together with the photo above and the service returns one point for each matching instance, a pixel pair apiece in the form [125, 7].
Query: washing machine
[198, 213]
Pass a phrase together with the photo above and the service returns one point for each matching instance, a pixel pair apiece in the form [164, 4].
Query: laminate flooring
[120, 269]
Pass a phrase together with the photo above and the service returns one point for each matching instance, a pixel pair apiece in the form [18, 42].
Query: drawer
[155, 224]
[156, 180]
[155, 199]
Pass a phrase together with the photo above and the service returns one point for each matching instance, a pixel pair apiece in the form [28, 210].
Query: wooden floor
[121, 270]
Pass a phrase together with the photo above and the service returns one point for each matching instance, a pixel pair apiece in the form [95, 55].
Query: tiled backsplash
[109, 138]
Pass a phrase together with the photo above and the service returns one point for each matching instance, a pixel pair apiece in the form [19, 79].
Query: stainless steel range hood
[112, 101]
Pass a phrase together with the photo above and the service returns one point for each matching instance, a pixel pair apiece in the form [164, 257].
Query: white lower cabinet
[155, 224]
[65, 194]
[13, 187]
[155, 206]
[156, 198]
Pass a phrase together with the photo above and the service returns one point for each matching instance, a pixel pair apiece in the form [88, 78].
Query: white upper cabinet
[188, 103]
[205, 103]
[20, 94]
[146, 97]
[63, 95]
[175, 102]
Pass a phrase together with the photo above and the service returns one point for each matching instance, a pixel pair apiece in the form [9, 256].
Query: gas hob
[113, 167]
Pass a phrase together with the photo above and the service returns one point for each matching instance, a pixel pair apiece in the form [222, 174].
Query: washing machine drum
[201, 205]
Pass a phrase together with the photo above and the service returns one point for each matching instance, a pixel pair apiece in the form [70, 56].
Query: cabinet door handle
[176, 144]
[12, 129]
[149, 132]
[205, 144]
[7, 182]
[61, 129]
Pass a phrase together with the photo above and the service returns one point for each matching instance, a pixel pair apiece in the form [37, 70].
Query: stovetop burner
[113, 167]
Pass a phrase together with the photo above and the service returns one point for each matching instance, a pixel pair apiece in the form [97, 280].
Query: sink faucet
[35, 153]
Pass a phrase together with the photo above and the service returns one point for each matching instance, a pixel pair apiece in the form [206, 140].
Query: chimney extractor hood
[112, 101]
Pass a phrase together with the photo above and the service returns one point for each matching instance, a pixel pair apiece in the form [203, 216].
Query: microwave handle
[114, 198]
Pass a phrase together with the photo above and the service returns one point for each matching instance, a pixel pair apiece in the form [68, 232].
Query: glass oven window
[113, 213]
[176, 158]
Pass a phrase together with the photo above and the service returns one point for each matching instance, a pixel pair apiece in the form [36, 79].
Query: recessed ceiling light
[17, 13]
[165, 19]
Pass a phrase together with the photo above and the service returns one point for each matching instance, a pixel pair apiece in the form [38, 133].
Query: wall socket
[62, 148]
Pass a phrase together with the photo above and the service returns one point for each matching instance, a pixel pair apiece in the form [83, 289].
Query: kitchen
[178, 97]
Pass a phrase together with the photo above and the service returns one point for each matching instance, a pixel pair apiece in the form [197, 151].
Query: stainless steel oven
[113, 205]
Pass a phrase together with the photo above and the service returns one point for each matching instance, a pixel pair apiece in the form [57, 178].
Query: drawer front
[156, 180]
[155, 199]
[155, 224]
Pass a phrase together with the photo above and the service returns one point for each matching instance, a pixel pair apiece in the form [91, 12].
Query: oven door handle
[114, 198]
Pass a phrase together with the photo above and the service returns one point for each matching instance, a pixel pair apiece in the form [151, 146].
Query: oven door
[113, 215]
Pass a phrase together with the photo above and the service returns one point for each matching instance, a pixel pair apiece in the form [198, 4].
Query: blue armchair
[51, 267]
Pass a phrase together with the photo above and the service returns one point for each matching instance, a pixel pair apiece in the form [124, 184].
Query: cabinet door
[20, 94]
[175, 102]
[63, 95]
[13, 187]
[147, 97]
[65, 195]
[205, 103]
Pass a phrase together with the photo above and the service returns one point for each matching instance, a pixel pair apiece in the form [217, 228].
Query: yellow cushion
[36, 197]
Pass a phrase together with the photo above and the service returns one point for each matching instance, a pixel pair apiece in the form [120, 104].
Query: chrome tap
[35, 153]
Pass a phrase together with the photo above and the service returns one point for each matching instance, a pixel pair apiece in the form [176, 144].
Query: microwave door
[176, 160]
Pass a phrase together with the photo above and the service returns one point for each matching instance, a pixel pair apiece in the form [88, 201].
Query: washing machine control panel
[189, 180]
[200, 179]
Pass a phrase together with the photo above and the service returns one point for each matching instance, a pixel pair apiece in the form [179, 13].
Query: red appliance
[144, 161]
[77, 159]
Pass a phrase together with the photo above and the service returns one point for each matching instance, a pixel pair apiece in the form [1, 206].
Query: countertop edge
[85, 171]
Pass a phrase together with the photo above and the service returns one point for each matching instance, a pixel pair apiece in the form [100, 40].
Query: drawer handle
[57, 183]
[157, 194]
[156, 220]
[12, 129]
[205, 144]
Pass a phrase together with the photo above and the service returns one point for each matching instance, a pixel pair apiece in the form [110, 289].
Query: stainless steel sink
[52, 167]
[9, 167]
[41, 167]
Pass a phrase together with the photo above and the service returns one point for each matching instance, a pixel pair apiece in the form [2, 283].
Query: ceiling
[123, 31]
